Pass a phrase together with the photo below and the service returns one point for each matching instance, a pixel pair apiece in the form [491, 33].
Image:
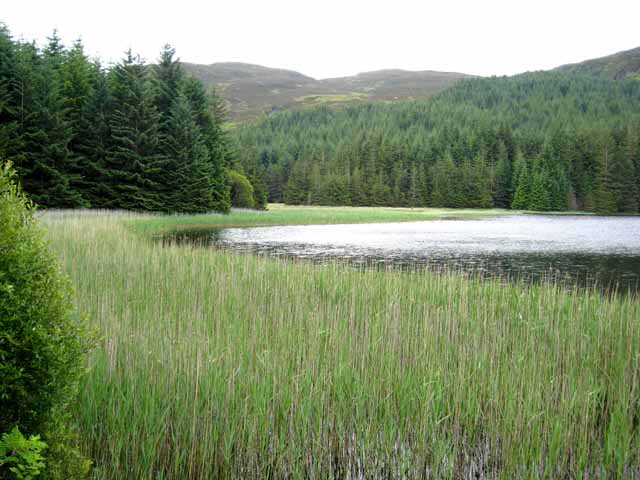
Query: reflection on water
[582, 250]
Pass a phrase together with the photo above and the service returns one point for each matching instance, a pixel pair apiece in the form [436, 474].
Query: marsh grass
[218, 365]
[279, 214]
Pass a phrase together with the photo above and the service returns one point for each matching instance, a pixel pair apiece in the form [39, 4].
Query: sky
[333, 38]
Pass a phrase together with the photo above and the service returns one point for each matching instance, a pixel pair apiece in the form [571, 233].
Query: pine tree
[358, 195]
[79, 78]
[380, 192]
[413, 193]
[256, 175]
[446, 191]
[133, 162]
[633, 151]
[400, 186]
[316, 185]
[45, 164]
[502, 185]
[423, 187]
[168, 77]
[188, 186]
[523, 184]
[297, 189]
[92, 142]
[439, 196]
[220, 151]
[539, 196]
[558, 185]
[480, 195]
[260, 193]
[604, 199]
[9, 145]
[624, 185]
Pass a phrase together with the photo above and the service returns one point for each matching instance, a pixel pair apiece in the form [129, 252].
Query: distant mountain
[617, 66]
[252, 91]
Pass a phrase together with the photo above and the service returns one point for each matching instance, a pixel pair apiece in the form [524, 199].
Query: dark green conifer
[523, 184]
[209, 116]
[188, 172]
[44, 164]
[134, 160]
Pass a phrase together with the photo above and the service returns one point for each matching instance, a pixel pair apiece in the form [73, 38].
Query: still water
[580, 250]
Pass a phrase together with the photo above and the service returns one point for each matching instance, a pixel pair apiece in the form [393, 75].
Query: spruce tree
[358, 195]
[168, 77]
[604, 198]
[633, 152]
[539, 196]
[78, 80]
[133, 162]
[523, 184]
[413, 194]
[8, 96]
[188, 171]
[297, 188]
[209, 115]
[502, 184]
[317, 194]
[623, 179]
[45, 163]
[92, 143]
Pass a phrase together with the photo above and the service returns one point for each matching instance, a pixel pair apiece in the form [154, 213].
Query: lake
[575, 250]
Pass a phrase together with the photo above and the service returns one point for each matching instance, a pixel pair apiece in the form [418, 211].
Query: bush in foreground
[20, 457]
[42, 342]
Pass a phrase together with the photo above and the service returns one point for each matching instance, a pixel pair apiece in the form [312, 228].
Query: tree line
[132, 136]
[537, 141]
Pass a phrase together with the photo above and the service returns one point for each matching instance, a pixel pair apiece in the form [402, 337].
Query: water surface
[581, 250]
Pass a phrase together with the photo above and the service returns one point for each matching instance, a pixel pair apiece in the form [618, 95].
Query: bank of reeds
[214, 365]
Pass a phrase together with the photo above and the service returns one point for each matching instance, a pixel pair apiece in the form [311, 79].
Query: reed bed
[215, 365]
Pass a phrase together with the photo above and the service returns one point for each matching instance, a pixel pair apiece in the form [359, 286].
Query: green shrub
[20, 458]
[42, 342]
[241, 190]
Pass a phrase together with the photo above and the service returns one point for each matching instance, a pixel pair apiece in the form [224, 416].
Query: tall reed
[219, 365]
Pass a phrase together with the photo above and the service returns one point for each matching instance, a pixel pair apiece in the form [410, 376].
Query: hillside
[537, 141]
[253, 90]
[617, 66]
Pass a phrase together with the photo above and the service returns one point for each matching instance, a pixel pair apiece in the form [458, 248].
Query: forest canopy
[133, 136]
[537, 141]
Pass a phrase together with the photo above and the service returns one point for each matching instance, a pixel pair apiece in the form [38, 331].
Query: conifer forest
[537, 141]
[134, 136]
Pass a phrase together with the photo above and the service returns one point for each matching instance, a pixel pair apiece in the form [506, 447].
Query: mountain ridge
[617, 66]
[252, 91]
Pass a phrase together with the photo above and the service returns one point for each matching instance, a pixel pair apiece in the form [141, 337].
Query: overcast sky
[331, 38]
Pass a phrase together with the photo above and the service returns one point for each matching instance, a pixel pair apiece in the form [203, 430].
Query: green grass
[218, 365]
[313, 100]
[279, 214]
